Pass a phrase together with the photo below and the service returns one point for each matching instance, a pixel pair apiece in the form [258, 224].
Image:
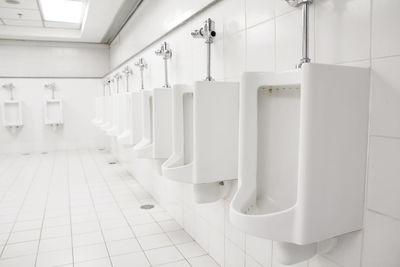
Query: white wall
[265, 35]
[78, 106]
[80, 67]
[51, 59]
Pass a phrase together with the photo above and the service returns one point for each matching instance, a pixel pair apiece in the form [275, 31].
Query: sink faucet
[141, 64]
[166, 53]
[208, 33]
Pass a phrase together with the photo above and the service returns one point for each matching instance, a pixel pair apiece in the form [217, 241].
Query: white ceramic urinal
[12, 115]
[131, 120]
[157, 124]
[53, 113]
[98, 120]
[302, 157]
[107, 114]
[114, 129]
[205, 138]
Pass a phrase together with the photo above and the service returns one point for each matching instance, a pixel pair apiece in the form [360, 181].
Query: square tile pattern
[74, 209]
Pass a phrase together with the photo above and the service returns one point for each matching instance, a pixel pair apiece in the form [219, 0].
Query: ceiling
[102, 21]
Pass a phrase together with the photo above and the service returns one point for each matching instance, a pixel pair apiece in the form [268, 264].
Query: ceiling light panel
[70, 11]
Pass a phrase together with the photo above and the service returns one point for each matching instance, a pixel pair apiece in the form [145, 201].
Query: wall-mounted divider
[131, 120]
[157, 123]
[302, 157]
[205, 138]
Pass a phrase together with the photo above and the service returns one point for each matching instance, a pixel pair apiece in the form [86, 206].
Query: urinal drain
[101, 149]
[147, 207]
[25, 154]
[112, 162]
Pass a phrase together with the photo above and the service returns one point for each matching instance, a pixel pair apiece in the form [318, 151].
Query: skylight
[70, 11]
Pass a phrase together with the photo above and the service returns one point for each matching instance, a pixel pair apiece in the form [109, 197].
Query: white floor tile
[176, 264]
[95, 263]
[179, 237]
[154, 241]
[88, 253]
[27, 225]
[20, 249]
[137, 259]
[191, 250]
[160, 256]
[57, 231]
[169, 226]
[118, 234]
[147, 229]
[58, 243]
[202, 261]
[17, 237]
[28, 261]
[54, 258]
[87, 239]
[123, 247]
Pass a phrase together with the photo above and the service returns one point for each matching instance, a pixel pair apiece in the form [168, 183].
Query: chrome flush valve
[10, 87]
[52, 87]
[166, 52]
[305, 50]
[127, 71]
[207, 32]
[141, 64]
[109, 81]
[118, 77]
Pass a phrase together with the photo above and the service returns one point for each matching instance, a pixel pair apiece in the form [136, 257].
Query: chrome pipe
[141, 64]
[128, 71]
[166, 53]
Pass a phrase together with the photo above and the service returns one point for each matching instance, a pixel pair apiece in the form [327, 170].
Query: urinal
[107, 115]
[205, 138]
[98, 120]
[114, 129]
[131, 120]
[12, 115]
[302, 157]
[156, 124]
[53, 113]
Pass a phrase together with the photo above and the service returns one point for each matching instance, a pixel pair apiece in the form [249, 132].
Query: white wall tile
[342, 30]
[348, 249]
[383, 176]
[258, 11]
[259, 249]
[381, 242]
[234, 256]
[260, 47]
[385, 97]
[385, 23]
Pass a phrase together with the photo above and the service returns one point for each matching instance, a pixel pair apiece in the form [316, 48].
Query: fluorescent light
[70, 11]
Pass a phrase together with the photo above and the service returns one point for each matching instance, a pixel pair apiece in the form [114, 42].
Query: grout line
[385, 136]
[49, 181]
[164, 232]
[94, 206]
[25, 196]
[383, 214]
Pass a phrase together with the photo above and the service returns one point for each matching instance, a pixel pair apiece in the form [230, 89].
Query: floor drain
[112, 162]
[26, 154]
[101, 149]
[147, 207]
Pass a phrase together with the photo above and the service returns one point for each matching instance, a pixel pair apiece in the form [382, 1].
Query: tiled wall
[265, 35]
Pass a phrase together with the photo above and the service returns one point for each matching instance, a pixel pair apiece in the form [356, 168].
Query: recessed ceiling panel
[23, 4]
[23, 23]
[15, 13]
[62, 25]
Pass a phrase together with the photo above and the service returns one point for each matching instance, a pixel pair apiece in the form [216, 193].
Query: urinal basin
[113, 130]
[302, 156]
[107, 114]
[98, 120]
[205, 133]
[12, 114]
[53, 112]
[132, 123]
[156, 140]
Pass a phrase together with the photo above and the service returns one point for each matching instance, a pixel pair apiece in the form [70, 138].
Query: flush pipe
[10, 87]
[166, 52]
[104, 87]
[52, 87]
[208, 33]
[117, 78]
[108, 82]
[305, 11]
[127, 71]
[141, 64]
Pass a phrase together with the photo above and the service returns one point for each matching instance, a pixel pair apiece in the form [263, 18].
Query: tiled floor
[72, 208]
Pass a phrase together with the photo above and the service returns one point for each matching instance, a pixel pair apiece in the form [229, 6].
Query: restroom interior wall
[265, 35]
[76, 70]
